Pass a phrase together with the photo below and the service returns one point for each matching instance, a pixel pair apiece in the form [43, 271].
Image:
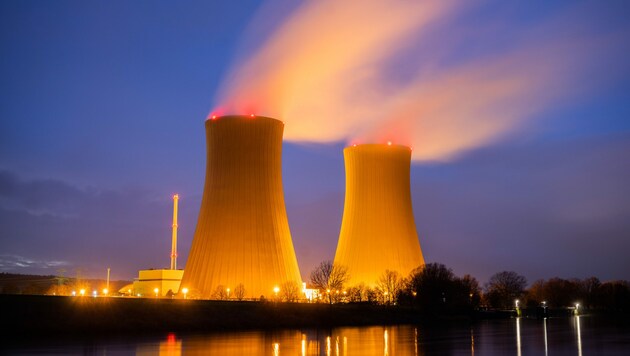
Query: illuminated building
[378, 231]
[242, 234]
[166, 281]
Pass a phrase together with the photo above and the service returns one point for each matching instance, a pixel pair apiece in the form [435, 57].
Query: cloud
[51, 220]
[14, 263]
[429, 74]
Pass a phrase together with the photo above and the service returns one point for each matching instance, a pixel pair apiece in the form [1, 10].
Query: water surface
[580, 335]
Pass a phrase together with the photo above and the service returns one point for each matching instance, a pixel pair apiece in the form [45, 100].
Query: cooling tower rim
[217, 118]
[376, 146]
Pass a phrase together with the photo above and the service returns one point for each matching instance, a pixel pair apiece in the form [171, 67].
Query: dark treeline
[434, 288]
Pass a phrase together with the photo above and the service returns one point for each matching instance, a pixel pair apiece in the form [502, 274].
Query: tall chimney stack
[174, 239]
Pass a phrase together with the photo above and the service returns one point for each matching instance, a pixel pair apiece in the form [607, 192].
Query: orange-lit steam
[326, 72]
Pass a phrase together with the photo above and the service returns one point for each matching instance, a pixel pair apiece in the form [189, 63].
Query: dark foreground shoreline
[30, 315]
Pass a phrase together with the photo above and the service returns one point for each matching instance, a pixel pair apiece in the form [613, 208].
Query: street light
[276, 289]
[516, 303]
[577, 308]
[82, 292]
[228, 293]
[185, 291]
[156, 291]
[105, 291]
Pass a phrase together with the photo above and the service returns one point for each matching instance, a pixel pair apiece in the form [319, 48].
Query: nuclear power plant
[242, 235]
[378, 231]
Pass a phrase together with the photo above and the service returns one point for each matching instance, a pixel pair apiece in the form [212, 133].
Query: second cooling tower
[378, 231]
[242, 234]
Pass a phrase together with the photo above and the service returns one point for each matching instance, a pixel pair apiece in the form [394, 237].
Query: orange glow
[246, 154]
[374, 208]
[314, 72]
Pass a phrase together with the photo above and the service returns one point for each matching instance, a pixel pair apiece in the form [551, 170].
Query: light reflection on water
[570, 336]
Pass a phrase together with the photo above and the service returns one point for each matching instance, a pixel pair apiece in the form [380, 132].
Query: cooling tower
[242, 234]
[378, 231]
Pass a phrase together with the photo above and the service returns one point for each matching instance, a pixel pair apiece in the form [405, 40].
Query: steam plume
[398, 70]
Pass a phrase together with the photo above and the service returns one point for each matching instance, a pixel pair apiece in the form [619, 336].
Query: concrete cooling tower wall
[242, 234]
[378, 231]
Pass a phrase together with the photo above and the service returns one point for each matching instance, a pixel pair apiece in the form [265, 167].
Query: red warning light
[170, 338]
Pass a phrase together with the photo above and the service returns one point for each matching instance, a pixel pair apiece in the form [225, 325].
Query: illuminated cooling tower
[242, 234]
[378, 231]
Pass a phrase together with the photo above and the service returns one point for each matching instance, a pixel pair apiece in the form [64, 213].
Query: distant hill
[12, 283]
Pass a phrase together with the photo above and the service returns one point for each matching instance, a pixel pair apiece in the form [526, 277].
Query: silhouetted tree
[431, 286]
[239, 292]
[504, 288]
[589, 290]
[290, 291]
[614, 295]
[357, 293]
[466, 293]
[389, 285]
[560, 292]
[329, 278]
[220, 292]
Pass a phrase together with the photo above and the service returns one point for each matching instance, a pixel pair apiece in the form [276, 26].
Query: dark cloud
[127, 229]
[18, 264]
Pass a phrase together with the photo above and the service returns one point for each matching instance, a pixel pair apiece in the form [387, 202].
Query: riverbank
[50, 315]
[53, 314]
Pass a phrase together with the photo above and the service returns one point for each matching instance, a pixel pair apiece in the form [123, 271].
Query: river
[579, 335]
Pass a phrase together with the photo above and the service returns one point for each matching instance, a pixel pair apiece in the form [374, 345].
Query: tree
[220, 293]
[504, 288]
[357, 293]
[467, 294]
[431, 286]
[615, 295]
[329, 278]
[560, 292]
[239, 292]
[588, 289]
[389, 284]
[290, 291]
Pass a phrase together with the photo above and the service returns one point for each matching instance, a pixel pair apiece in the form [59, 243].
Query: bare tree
[329, 278]
[239, 292]
[504, 288]
[389, 284]
[220, 293]
[290, 291]
[357, 293]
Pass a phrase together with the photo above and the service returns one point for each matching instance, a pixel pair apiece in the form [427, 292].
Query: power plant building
[159, 282]
[242, 235]
[378, 231]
